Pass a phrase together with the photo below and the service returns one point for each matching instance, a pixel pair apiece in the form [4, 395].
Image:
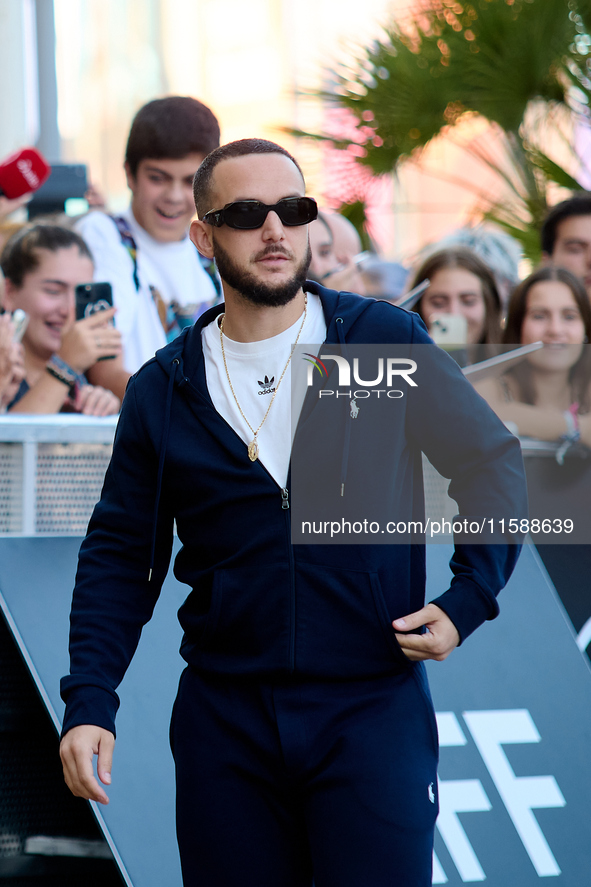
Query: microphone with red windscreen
[23, 172]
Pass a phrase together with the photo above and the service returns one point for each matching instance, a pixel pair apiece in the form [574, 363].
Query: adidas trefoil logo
[266, 386]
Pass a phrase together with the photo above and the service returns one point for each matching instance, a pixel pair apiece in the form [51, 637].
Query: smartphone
[91, 298]
[20, 320]
[448, 330]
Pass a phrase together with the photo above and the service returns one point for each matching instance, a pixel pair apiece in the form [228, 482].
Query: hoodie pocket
[343, 628]
[247, 625]
[386, 621]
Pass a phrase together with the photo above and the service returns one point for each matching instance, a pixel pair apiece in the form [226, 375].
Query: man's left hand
[437, 642]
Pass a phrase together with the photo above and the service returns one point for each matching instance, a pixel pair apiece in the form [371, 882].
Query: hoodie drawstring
[345, 457]
[163, 444]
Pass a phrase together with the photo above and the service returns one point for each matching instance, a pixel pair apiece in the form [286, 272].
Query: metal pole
[49, 139]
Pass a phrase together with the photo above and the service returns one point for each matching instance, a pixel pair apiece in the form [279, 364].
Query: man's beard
[252, 289]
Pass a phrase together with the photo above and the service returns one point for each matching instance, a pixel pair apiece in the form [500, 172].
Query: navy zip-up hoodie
[259, 605]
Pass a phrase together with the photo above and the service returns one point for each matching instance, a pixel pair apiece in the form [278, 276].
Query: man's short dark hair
[577, 205]
[171, 128]
[240, 148]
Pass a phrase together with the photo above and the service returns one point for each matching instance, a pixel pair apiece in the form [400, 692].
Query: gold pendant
[253, 450]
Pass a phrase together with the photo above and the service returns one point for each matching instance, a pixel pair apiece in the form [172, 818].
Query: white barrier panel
[51, 472]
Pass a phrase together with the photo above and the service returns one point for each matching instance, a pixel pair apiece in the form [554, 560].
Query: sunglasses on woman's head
[249, 214]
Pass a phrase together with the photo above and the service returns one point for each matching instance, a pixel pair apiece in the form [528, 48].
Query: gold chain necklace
[253, 447]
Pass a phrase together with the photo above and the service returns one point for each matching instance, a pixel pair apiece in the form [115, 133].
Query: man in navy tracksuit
[303, 732]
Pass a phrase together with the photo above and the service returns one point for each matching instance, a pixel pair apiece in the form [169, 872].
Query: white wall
[19, 107]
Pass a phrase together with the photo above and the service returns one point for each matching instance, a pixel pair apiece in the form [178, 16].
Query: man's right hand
[77, 749]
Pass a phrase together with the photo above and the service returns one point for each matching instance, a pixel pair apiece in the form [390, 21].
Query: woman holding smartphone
[42, 266]
[461, 285]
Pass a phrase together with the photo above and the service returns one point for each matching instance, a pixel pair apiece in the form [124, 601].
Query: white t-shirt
[255, 369]
[174, 269]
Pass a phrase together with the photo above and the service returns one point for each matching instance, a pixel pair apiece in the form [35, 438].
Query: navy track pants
[284, 783]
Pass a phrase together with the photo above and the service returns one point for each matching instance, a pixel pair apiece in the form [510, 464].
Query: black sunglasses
[248, 214]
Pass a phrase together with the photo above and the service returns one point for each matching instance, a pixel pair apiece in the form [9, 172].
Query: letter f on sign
[521, 794]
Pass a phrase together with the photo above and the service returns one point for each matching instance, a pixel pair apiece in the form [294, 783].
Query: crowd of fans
[160, 284]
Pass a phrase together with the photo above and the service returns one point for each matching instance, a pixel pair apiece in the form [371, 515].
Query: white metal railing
[51, 472]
